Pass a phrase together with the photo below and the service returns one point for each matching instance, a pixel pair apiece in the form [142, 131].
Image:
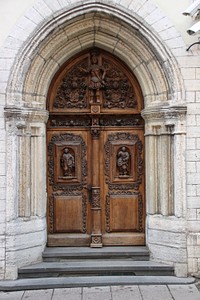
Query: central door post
[96, 235]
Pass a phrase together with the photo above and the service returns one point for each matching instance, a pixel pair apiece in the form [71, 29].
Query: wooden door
[95, 154]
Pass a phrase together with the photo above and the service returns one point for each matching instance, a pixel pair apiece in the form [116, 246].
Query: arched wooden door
[95, 154]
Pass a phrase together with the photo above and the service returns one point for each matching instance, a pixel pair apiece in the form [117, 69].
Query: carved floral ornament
[95, 78]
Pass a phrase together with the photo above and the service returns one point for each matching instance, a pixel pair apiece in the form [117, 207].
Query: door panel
[68, 176]
[123, 186]
[95, 154]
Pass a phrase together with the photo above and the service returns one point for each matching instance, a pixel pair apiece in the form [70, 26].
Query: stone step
[69, 282]
[95, 268]
[73, 253]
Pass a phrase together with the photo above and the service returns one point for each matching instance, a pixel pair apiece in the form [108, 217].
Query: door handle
[89, 189]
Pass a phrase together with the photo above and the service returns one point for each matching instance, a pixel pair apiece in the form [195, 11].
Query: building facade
[146, 41]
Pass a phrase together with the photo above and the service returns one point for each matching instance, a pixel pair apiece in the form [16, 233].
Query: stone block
[192, 265]
[192, 214]
[193, 226]
[189, 62]
[54, 5]
[191, 120]
[191, 190]
[191, 143]
[193, 251]
[193, 178]
[155, 17]
[193, 155]
[168, 254]
[170, 224]
[175, 42]
[192, 85]
[197, 96]
[23, 225]
[146, 9]
[25, 241]
[42, 9]
[2, 193]
[181, 270]
[190, 97]
[34, 16]
[188, 73]
[24, 257]
[193, 202]
[166, 238]
[191, 167]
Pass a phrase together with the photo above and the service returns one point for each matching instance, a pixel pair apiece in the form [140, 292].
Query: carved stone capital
[164, 112]
[21, 116]
[161, 120]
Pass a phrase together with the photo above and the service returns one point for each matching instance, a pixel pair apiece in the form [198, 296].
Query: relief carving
[123, 162]
[72, 91]
[95, 197]
[118, 91]
[67, 162]
[97, 74]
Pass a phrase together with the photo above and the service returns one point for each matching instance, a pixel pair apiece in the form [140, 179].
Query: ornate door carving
[95, 154]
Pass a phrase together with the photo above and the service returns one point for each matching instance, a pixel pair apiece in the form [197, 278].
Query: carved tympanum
[96, 79]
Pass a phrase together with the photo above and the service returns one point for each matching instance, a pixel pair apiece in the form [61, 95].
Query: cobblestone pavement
[141, 292]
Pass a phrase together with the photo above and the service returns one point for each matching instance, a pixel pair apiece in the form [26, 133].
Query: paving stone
[126, 292]
[39, 294]
[185, 292]
[97, 293]
[67, 294]
[155, 292]
[11, 295]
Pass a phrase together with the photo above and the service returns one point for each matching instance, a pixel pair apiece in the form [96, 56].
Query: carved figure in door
[123, 161]
[67, 162]
[97, 75]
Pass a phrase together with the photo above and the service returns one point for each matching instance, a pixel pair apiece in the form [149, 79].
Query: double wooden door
[95, 154]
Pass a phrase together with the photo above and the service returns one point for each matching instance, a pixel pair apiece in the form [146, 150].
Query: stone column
[166, 185]
[26, 187]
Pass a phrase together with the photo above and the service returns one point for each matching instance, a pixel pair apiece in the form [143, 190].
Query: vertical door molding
[165, 164]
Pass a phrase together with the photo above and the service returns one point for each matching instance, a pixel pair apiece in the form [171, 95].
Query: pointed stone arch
[48, 35]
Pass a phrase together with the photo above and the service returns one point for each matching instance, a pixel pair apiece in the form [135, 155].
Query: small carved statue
[97, 75]
[123, 159]
[67, 163]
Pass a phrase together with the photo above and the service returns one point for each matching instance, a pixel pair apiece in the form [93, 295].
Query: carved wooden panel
[67, 165]
[69, 213]
[123, 161]
[95, 153]
[95, 77]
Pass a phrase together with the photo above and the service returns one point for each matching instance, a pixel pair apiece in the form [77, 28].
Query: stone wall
[141, 35]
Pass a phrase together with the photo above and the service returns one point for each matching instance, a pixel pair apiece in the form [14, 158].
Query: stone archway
[129, 36]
